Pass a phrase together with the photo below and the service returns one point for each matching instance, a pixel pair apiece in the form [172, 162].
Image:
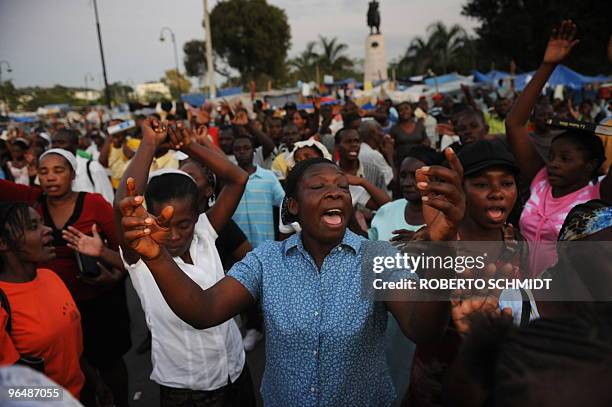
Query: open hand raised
[560, 43]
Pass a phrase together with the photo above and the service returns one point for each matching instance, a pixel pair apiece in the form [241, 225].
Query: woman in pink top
[569, 178]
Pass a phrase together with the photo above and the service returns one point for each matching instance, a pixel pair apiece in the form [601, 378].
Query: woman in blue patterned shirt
[324, 339]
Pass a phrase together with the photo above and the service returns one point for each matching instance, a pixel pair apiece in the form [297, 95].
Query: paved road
[144, 392]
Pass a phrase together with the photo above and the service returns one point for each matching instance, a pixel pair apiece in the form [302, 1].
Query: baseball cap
[483, 154]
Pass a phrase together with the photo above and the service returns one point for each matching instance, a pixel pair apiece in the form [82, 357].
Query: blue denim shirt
[324, 342]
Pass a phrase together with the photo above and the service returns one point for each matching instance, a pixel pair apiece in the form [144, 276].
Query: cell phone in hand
[87, 265]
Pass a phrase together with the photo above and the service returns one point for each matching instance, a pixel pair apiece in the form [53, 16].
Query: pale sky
[51, 42]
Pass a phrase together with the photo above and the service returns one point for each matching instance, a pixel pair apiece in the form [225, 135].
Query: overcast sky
[54, 41]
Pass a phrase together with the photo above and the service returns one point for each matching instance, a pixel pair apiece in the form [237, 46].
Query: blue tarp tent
[450, 77]
[562, 75]
[198, 99]
[194, 99]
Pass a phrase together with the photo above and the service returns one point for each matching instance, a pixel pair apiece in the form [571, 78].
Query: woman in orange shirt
[43, 321]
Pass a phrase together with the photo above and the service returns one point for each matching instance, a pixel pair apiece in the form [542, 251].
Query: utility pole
[106, 90]
[212, 90]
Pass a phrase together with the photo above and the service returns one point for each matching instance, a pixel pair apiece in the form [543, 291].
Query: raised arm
[378, 197]
[233, 177]
[199, 308]
[559, 47]
[425, 318]
[153, 134]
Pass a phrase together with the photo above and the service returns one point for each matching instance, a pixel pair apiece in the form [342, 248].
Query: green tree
[304, 65]
[252, 37]
[120, 93]
[9, 94]
[195, 58]
[519, 30]
[328, 55]
[446, 42]
[177, 83]
[333, 60]
[443, 49]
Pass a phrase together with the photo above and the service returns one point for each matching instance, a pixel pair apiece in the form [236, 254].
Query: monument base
[375, 67]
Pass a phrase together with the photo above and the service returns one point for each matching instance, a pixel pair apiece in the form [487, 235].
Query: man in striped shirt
[255, 213]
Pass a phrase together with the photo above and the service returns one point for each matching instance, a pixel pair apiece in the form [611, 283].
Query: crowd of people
[235, 224]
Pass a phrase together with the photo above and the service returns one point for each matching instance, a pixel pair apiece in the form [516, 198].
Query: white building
[88, 95]
[151, 89]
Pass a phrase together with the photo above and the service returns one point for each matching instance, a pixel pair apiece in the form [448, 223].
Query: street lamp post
[173, 38]
[106, 90]
[8, 68]
[88, 77]
[212, 90]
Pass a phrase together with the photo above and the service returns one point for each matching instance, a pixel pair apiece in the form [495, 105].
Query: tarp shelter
[442, 79]
[562, 75]
[197, 99]
[194, 99]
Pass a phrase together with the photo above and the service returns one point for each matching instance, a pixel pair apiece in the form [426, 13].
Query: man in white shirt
[372, 139]
[90, 175]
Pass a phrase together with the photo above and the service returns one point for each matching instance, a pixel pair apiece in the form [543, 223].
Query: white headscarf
[64, 153]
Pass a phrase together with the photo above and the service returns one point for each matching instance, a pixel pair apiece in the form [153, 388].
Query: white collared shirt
[184, 357]
[101, 182]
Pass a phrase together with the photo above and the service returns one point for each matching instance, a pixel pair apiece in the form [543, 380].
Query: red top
[45, 323]
[90, 208]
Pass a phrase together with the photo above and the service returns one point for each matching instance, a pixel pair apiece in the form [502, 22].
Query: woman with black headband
[324, 340]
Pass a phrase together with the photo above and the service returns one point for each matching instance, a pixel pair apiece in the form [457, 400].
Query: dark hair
[297, 173]
[243, 137]
[289, 125]
[468, 111]
[206, 172]
[591, 144]
[166, 187]
[426, 154]
[71, 134]
[227, 129]
[14, 218]
[340, 133]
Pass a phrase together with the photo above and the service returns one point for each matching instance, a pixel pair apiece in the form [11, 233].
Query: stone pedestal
[375, 67]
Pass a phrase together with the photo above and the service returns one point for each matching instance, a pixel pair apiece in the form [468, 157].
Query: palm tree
[332, 59]
[446, 42]
[305, 63]
[418, 56]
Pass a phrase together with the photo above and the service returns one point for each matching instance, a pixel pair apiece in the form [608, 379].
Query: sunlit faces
[243, 151]
[405, 111]
[205, 190]
[226, 141]
[305, 153]
[291, 135]
[55, 175]
[349, 144]
[470, 127]
[568, 164]
[181, 225]
[490, 196]
[323, 203]
[35, 245]
[275, 129]
[408, 180]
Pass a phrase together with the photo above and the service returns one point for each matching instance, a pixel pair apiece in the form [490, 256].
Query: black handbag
[33, 362]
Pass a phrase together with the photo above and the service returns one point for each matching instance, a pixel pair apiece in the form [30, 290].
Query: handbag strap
[525, 309]
[4, 303]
